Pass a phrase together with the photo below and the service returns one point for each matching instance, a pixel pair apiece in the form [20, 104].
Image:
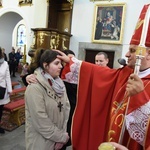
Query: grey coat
[45, 124]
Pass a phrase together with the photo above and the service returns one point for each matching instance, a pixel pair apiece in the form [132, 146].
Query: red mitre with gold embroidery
[139, 27]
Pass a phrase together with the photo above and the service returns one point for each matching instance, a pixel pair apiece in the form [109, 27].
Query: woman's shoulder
[33, 89]
[5, 63]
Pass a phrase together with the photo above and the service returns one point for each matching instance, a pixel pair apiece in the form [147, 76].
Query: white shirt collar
[144, 73]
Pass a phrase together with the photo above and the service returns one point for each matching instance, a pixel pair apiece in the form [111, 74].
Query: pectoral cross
[60, 105]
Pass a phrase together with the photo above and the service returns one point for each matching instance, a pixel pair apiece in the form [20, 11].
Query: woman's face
[54, 68]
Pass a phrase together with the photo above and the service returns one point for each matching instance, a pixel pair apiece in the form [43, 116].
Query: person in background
[101, 59]
[5, 82]
[32, 77]
[47, 110]
[12, 62]
[24, 70]
[5, 56]
[18, 56]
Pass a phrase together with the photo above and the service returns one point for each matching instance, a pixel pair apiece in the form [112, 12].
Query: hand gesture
[134, 85]
[67, 138]
[63, 56]
[31, 79]
[58, 146]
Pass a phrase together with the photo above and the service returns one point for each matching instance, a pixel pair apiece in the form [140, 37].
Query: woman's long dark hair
[42, 56]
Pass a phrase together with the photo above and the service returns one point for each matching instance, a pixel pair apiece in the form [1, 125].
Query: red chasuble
[98, 96]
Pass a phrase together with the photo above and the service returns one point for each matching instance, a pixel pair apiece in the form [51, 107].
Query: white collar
[144, 73]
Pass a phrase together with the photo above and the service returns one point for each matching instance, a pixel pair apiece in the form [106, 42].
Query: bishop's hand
[134, 85]
[63, 56]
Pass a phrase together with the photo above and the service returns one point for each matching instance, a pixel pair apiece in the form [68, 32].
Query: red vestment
[136, 38]
[99, 91]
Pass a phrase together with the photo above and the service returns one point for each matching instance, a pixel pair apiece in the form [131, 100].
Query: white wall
[7, 24]
[83, 16]
[34, 16]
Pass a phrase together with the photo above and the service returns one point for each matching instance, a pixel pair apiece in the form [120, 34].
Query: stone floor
[15, 140]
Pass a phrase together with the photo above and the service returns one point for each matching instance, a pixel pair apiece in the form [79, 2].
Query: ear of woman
[44, 65]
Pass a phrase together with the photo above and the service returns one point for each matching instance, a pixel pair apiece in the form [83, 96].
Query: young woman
[5, 82]
[47, 105]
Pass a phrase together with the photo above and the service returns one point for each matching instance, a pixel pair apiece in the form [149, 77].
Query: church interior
[59, 24]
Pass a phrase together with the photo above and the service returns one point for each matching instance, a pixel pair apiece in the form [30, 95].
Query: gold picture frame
[108, 23]
[25, 2]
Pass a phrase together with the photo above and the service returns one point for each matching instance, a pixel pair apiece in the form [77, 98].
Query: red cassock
[100, 91]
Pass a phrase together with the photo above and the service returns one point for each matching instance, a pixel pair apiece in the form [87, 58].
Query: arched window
[21, 35]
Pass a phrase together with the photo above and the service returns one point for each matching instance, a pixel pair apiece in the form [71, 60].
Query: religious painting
[108, 23]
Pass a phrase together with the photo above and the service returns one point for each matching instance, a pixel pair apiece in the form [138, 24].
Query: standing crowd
[14, 62]
[14, 59]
